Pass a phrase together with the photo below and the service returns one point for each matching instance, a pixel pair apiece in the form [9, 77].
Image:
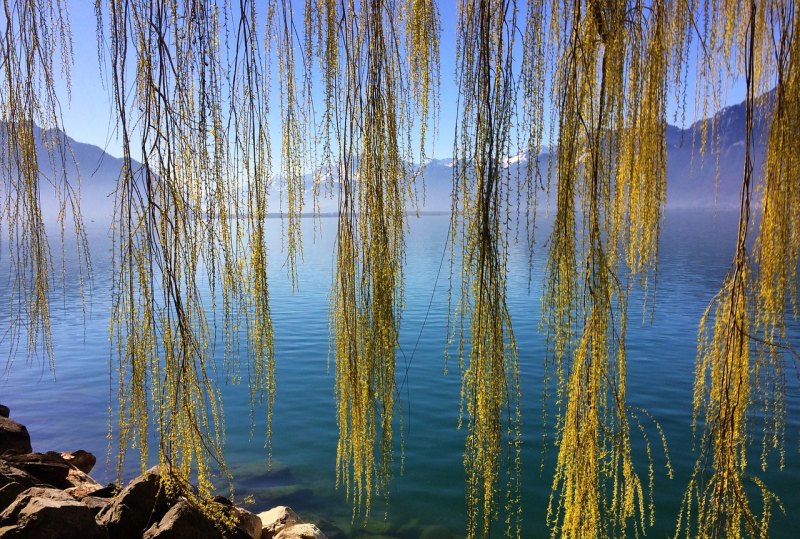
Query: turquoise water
[71, 410]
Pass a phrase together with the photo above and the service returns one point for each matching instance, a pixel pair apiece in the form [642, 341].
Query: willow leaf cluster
[614, 61]
[739, 364]
[487, 352]
[370, 94]
[35, 37]
[182, 217]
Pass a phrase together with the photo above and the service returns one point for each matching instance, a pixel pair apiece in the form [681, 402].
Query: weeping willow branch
[35, 162]
[614, 62]
[368, 114]
[490, 387]
[177, 223]
[735, 371]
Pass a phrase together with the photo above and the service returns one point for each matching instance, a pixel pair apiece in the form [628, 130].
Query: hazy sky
[88, 116]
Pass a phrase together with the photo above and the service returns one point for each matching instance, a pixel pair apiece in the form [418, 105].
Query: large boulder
[80, 459]
[248, 525]
[12, 474]
[277, 518]
[183, 521]
[49, 468]
[4, 411]
[137, 507]
[9, 493]
[48, 512]
[300, 531]
[14, 437]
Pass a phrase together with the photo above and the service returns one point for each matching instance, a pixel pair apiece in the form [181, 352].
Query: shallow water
[71, 410]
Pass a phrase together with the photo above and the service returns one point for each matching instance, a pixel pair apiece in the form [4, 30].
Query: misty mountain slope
[91, 173]
[695, 179]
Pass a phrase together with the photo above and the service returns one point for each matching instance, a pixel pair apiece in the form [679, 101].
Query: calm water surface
[71, 409]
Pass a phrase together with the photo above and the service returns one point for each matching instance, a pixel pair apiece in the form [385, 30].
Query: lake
[70, 410]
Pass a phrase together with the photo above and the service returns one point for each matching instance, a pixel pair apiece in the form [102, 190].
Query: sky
[88, 114]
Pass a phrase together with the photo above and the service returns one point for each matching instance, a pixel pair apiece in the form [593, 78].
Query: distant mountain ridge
[694, 180]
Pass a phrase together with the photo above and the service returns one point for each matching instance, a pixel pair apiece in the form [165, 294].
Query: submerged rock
[48, 512]
[14, 437]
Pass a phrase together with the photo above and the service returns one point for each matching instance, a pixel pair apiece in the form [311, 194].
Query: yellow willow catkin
[178, 224]
[490, 387]
[368, 105]
[36, 165]
[777, 246]
[610, 87]
[739, 364]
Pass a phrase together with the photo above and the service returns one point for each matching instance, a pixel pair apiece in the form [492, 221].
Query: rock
[49, 468]
[48, 512]
[108, 491]
[12, 474]
[300, 531]
[277, 518]
[9, 493]
[80, 459]
[4, 411]
[14, 437]
[95, 504]
[249, 524]
[81, 484]
[435, 532]
[137, 507]
[183, 521]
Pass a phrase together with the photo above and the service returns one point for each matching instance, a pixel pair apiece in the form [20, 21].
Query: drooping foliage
[190, 81]
[182, 218]
[487, 356]
[613, 65]
[36, 51]
[740, 365]
[370, 97]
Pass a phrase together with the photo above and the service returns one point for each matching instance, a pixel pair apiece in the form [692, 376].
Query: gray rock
[247, 523]
[80, 459]
[9, 493]
[183, 521]
[300, 531]
[49, 468]
[12, 474]
[14, 437]
[95, 504]
[4, 411]
[137, 507]
[47, 512]
[277, 518]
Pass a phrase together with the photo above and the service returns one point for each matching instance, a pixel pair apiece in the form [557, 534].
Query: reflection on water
[426, 498]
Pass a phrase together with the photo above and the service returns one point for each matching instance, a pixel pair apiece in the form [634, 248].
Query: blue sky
[88, 115]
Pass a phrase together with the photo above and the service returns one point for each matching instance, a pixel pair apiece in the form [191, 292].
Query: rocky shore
[51, 495]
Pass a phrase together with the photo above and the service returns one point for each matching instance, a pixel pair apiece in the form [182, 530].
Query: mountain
[90, 171]
[694, 180]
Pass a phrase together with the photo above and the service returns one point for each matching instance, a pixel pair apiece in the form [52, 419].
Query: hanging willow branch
[490, 387]
[176, 222]
[35, 165]
[739, 364]
[614, 63]
[368, 115]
